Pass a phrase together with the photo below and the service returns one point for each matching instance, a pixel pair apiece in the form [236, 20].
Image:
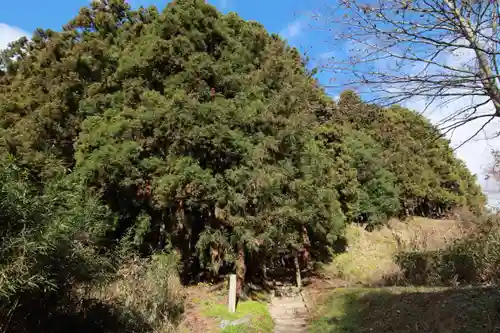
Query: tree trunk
[307, 245]
[161, 237]
[240, 271]
[488, 78]
[297, 271]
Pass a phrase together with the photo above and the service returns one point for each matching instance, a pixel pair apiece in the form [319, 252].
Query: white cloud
[476, 153]
[294, 29]
[9, 34]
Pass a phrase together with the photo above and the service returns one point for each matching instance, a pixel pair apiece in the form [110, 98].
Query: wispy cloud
[476, 152]
[327, 55]
[294, 29]
[9, 34]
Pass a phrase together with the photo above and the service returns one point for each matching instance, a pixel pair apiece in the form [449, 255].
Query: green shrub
[42, 246]
[50, 248]
[472, 260]
[420, 267]
[218, 122]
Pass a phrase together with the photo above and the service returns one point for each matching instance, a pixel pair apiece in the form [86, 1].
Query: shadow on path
[409, 310]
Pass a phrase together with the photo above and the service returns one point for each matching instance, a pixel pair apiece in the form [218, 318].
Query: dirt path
[289, 314]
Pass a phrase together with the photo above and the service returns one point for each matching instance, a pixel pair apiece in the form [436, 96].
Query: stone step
[289, 314]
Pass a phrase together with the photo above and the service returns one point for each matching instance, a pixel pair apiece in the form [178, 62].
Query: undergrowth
[149, 290]
[474, 259]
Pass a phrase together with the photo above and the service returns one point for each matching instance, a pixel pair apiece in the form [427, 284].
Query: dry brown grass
[426, 234]
[370, 259]
[149, 291]
[407, 309]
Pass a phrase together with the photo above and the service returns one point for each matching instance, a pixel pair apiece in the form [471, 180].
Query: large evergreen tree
[205, 134]
[197, 128]
[431, 180]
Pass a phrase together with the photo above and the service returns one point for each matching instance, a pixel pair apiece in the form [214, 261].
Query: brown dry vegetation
[370, 257]
[342, 307]
[147, 289]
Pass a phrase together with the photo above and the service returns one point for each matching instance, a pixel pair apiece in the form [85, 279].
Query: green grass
[261, 320]
[408, 310]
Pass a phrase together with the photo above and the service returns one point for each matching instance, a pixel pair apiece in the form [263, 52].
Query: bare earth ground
[206, 311]
[194, 319]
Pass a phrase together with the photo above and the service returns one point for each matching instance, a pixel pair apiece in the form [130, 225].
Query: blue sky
[286, 16]
[289, 18]
[30, 14]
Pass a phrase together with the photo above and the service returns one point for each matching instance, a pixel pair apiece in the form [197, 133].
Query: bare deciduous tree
[439, 51]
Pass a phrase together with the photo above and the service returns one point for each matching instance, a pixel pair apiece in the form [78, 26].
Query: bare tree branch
[440, 51]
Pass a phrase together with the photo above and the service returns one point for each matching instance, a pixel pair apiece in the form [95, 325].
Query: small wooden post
[232, 293]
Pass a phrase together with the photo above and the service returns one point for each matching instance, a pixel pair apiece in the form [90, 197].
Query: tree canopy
[202, 133]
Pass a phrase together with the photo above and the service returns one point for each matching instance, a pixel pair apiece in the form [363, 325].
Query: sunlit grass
[260, 319]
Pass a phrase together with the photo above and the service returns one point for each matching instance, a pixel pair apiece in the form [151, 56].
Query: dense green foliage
[200, 133]
[430, 180]
[49, 243]
[43, 232]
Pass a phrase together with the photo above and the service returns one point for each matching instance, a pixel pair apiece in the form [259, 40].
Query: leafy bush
[424, 268]
[197, 130]
[474, 259]
[203, 131]
[429, 179]
[51, 257]
[49, 245]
